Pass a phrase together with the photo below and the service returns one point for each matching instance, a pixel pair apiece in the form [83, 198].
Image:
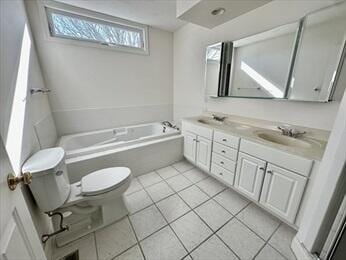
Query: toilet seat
[104, 180]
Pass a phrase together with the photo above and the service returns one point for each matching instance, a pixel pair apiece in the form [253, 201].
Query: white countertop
[248, 129]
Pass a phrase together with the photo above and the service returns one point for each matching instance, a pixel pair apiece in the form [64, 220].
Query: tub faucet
[167, 123]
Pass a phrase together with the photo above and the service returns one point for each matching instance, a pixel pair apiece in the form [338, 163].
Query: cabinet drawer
[225, 151]
[222, 173]
[224, 162]
[226, 139]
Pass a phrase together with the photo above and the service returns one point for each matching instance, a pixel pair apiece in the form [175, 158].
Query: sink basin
[283, 140]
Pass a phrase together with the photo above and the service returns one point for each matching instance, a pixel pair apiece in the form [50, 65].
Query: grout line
[97, 251]
[267, 243]
[134, 232]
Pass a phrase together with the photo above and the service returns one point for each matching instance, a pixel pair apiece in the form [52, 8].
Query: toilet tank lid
[44, 160]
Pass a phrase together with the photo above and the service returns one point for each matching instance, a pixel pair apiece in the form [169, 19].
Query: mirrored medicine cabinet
[297, 61]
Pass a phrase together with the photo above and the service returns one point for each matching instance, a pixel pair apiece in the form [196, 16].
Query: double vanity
[256, 159]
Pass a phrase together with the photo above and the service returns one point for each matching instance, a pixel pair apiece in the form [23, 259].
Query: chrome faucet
[169, 124]
[291, 132]
[219, 118]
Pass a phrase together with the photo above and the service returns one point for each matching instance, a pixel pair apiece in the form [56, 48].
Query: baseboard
[300, 251]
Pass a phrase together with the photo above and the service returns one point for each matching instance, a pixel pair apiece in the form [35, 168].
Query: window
[77, 27]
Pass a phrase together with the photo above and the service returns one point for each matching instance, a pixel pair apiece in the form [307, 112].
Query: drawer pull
[270, 172]
[261, 168]
[222, 162]
[224, 140]
[223, 151]
[221, 173]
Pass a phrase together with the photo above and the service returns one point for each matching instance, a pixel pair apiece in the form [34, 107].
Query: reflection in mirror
[261, 63]
[218, 65]
[213, 57]
[319, 55]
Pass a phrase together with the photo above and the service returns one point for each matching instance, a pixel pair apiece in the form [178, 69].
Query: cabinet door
[203, 153]
[282, 192]
[249, 175]
[190, 146]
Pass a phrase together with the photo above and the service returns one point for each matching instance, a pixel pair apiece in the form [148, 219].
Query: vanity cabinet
[198, 145]
[282, 191]
[190, 146]
[249, 175]
[203, 153]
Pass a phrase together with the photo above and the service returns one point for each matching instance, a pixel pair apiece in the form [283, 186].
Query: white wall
[94, 88]
[22, 114]
[190, 42]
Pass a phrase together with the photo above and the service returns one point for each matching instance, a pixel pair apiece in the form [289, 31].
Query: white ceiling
[157, 13]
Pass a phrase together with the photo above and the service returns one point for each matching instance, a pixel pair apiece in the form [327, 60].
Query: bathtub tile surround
[180, 226]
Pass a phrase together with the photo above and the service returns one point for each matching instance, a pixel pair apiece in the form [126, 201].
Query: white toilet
[95, 201]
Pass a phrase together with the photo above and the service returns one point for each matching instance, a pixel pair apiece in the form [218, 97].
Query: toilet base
[82, 224]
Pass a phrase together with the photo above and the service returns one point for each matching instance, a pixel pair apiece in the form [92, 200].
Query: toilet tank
[50, 185]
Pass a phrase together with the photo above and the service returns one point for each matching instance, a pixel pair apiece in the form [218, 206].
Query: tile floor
[179, 212]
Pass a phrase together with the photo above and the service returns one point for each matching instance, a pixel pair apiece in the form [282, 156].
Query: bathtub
[142, 148]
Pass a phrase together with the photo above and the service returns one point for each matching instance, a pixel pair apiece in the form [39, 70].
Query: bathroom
[171, 129]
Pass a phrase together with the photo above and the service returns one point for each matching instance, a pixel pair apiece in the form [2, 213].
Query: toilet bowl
[93, 202]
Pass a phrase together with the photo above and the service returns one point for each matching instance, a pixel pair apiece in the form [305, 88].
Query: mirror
[297, 61]
[218, 65]
[319, 56]
[261, 63]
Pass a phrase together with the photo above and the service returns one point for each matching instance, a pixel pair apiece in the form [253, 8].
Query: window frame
[48, 7]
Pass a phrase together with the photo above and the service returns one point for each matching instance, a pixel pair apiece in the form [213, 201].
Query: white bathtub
[97, 141]
[142, 148]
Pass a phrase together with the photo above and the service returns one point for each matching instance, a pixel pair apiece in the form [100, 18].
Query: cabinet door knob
[225, 140]
[222, 162]
[269, 171]
[223, 151]
[261, 168]
[221, 173]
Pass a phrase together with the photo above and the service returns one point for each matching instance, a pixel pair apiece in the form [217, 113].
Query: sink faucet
[292, 132]
[219, 118]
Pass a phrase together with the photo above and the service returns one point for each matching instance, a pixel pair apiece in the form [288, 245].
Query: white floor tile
[163, 245]
[231, 201]
[134, 186]
[167, 172]
[281, 240]
[183, 166]
[213, 214]
[85, 246]
[147, 221]
[172, 207]
[195, 175]
[211, 186]
[240, 239]
[179, 182]
[191, 230]
[214, 249]
[259, 221]
[159, 191]
[133, 253]
[114, 239]
[193, 196]
[268, 253]
[149, 179]
[137, 201]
